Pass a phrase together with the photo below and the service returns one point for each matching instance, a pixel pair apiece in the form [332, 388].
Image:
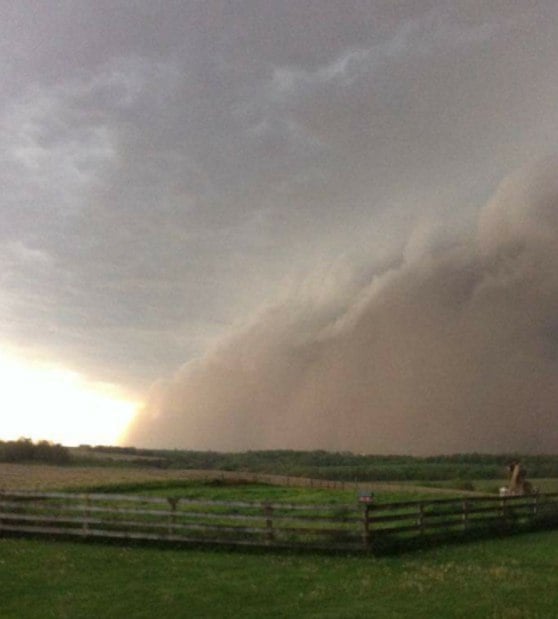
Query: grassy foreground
[512, 578]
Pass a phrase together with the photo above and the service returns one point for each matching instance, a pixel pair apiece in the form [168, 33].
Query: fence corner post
[366, 536]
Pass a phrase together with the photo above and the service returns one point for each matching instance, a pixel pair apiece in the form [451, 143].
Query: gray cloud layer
[455, 349]
[169, 168]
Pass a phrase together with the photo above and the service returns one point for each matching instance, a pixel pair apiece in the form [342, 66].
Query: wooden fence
[357, 526]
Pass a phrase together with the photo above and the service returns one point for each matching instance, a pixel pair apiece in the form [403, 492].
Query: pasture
[15, 476]
[512, 577]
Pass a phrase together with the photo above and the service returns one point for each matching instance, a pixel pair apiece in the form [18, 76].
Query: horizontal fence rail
[356, 526]
[449, 518]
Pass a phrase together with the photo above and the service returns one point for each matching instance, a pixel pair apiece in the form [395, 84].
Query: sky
[261, 224]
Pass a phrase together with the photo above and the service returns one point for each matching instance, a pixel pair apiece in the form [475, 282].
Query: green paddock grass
[490, 486]
[544, 485]
[505, 578]
[228, 490]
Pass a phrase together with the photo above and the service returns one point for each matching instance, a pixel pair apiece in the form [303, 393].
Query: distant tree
[19, 451]
[24, 450]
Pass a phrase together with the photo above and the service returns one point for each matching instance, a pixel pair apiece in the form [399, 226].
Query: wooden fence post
[173, 502]
[268, 515]
[86, 514]
[535, 504]
[420, 519]
[366, 537]
[504, 511]
[465, 516]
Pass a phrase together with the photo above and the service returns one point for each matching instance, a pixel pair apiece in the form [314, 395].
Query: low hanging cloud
[453, 348]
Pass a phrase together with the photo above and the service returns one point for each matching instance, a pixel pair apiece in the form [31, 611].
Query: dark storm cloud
[170, 167]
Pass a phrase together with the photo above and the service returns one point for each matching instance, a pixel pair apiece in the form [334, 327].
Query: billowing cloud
[168, 168]
[454, 349]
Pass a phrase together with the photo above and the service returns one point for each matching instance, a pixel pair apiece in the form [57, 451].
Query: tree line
[319, 464]
[341, 466]
[25, 450]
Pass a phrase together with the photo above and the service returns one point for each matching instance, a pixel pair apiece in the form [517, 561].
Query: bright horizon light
[44, 402]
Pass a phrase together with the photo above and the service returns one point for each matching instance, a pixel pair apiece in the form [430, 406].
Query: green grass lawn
[514, 577]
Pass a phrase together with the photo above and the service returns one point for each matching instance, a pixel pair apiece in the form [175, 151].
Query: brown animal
[518, 485]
